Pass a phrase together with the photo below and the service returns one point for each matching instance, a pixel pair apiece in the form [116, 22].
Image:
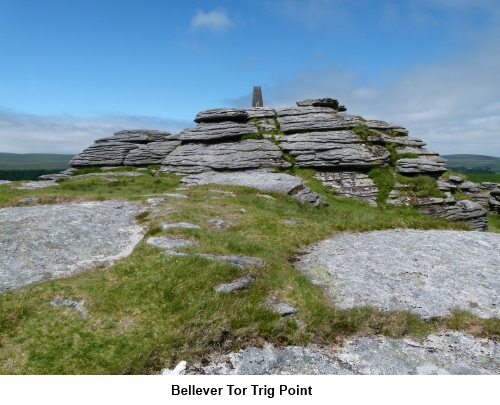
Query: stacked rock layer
[342, 148]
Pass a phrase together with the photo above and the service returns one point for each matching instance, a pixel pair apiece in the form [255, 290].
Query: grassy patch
[421, 186]
[149, 310]
[483, 177]
[384, 178]
[494, 222]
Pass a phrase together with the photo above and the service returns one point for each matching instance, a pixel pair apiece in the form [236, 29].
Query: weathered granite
[293, 111]
[260, 179]
[426, 272]
[238, 284]
[316, 122]
[137, 136]
[32, 185]
[354, 185]
[244, 155]
[163, 242]
[152, 153]
[322, 102]
[466, 211]
[452, 353]
[103, 154]
[216, 131]
[44, 242]
[222, 114]
[333, 149]
[260, 112]
[402, 140]
[420, 165]
[494, 201]
[184, 225]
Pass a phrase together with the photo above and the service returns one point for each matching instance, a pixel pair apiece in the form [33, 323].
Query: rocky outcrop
[245, 155]
[127, 148]
[494, 201]
[342, 148]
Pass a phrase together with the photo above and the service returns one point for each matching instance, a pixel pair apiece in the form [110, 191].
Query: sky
[75, 71]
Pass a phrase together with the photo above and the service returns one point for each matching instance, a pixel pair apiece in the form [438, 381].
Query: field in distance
[25, 161]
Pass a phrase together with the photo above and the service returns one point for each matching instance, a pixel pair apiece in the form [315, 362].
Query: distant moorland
[29, 166]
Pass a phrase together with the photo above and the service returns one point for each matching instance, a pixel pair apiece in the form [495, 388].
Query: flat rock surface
[43, 242]
[447, 353]
[259, 179]
[426, 272]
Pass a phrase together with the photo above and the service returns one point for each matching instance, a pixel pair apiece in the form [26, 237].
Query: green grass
[494, 222]
[421, 186]
[170, 300]
[384, 178]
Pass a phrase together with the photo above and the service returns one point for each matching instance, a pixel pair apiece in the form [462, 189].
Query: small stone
[4, 182]
[168, 243]
[127, 321]
[76, 304]
[37, 184]
[268, 197]
[184, 225]
[220, 224]
[243, 210]
[28, 199]
[292, 222]
[172, 195]
[237, 261]
[238, 284]
[155, 201]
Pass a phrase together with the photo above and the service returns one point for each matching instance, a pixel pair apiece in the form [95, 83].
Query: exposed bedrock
[217, 131]
[494, 201]
[316, 122]
[420, 165]
[137, 136]
[150, 154]
[115, 150]
[244, 155]
[429, 273]
[103, 154]
[351, 184]
[222, 114]
[333, 149]
[263, 180]
[467, 211]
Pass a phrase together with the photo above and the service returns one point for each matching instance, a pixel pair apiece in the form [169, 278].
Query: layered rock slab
[447, 353]
[260, 179]
[333, 149]
[426, 272]
[245, 155]
[43, 242]
[216, 131]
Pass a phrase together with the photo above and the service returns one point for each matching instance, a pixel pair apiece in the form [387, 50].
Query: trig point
[257, 97]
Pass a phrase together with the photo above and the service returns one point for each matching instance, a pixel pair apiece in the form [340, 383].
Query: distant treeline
[29, 174]
[478, 170]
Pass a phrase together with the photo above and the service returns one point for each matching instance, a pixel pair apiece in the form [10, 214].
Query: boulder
[263, 180]
[244, 155]
[217, 131]
[222, 114]
[322, 102]
[239, 284]
[494, 201]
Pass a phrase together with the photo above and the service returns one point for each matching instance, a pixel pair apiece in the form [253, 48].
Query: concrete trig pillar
[257, 97]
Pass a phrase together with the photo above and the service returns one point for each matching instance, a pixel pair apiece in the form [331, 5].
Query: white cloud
[453, 104]
[216, 20]
[28, 133]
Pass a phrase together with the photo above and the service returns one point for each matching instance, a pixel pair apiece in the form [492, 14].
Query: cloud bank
[28, 133]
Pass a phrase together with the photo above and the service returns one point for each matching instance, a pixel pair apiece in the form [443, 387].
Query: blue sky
[73, 71]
